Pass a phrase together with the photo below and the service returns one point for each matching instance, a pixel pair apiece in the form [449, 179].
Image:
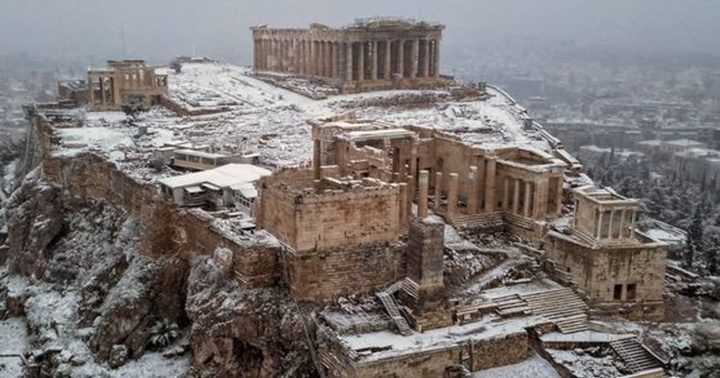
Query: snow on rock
[13, 340]
[235, 329]
[533, 367]
[147, 292]
[245, 115]
[585, 365]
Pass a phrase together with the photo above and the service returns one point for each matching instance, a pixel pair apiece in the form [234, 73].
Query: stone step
[559, 312]
[514, 311]
[512, 305]
[634, 355]
[568, 318]
[573, 329]
[550, 296]
[389, 303]
[558, 305]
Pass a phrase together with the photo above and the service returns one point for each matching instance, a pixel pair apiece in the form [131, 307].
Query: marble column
[452, 198]
[328, 59]
[348, 61]
[490, 185]
[320, 59]
[255, 54]
[374, 60]
[559, 196]
[528, 198]
[540, 198]
[472, 199]
[599, 224]
[316, 159]
[622, 224]
[261, 58]
[410, 181]
[414, 58]
[301, 56]
[308, 57]
[436, 59]
[280, 56]
[610, 224]
[423, 183]
[403, 205]
[400, 58]
[361, 61]
[312, 51]
[426, 58]
[91, 90]
[334, 60]
[516, 196]
[438, 191]
[386, 61]
[481, 179]
[102, 90]
[506, 193]
[632, 224]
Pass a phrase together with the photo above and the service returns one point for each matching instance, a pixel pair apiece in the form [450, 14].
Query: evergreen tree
[689, 254]
[695, 231]
[712, 255]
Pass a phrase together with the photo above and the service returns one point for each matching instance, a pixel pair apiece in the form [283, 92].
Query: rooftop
[224, 176]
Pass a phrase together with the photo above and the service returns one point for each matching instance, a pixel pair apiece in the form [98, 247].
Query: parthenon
[367, 55]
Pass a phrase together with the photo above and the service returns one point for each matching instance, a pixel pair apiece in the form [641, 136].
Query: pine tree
[695, 231]
[689, 253]
[712, 255]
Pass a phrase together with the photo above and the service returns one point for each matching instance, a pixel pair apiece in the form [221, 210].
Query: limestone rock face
[238, 332]
[34, 221]
[150, 290]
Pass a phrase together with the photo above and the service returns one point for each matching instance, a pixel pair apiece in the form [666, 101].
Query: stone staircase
[483, 220]
[636, 357]
[562, 306]
[519, 221]
[511, 305]
[389, 303]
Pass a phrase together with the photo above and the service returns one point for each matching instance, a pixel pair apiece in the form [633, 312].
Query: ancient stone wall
[306, 217]
[433, 362]
[612, 276]
[167, 228]
[322, 275]
[347, 218]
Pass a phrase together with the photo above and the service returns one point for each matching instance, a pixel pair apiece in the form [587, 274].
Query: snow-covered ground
[533, 367]
[584, 365]
[271, 121]
[13, 340]
[394, 344]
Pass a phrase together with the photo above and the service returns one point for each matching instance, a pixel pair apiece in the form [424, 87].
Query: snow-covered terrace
[270, 121]
[374, 346]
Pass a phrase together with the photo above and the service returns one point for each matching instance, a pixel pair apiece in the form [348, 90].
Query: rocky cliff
[112, 281]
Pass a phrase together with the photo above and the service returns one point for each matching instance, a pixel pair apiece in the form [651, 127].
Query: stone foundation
[326, 274]
[432, 362]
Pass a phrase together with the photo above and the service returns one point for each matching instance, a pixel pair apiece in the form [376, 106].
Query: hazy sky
[160, 29]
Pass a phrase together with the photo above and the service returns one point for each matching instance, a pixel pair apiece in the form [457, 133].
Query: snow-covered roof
[202, 154]
[223, 176]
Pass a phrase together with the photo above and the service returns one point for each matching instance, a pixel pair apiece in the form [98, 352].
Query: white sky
[161, 29]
